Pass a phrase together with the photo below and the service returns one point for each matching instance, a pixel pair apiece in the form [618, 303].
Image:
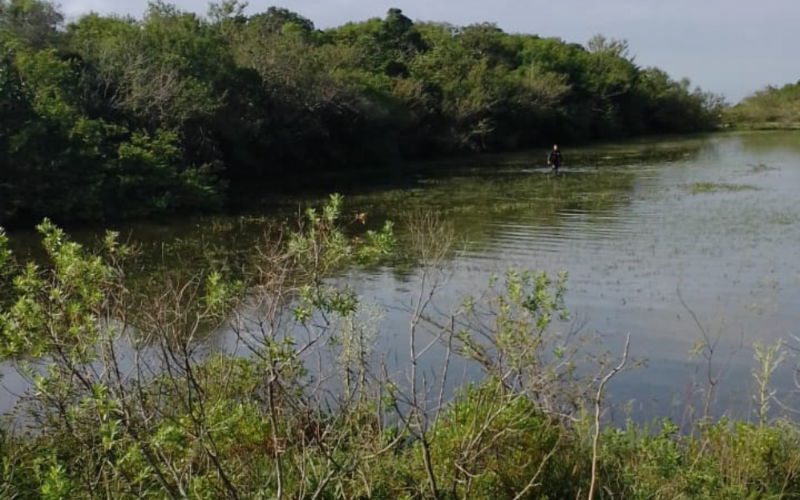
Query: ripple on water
[733, 254]
[626, 225]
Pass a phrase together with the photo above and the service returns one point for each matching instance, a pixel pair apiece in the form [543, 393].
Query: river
[657, 236]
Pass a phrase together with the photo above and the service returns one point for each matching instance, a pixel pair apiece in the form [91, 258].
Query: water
[651, 233]
[638, 231]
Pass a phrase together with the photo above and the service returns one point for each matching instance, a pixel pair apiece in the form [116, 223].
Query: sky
[730, 47]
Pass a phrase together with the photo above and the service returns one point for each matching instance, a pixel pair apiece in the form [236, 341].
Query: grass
[715, 187]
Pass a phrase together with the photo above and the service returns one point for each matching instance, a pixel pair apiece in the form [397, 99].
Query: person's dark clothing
[554, 158]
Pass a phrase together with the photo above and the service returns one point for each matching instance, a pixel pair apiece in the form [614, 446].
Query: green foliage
[772, 107]
[32, 23]
[196, 423]
[58, 160]
[56, 310]
[520, 349]
[724, 460]
[112, 117]
[7, 271]
[484, 431]
[130, 400]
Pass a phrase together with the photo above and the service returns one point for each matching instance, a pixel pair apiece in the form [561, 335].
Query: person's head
[555, 147]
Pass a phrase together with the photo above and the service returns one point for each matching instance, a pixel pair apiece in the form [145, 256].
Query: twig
[600, 388]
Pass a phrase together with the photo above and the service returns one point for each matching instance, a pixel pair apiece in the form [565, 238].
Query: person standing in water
[554, 158]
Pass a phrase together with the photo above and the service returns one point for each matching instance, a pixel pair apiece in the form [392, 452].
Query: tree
[486, 40]
[226, 9]
[170, 108]
[34, 23]
[276, 19]
[769, 107]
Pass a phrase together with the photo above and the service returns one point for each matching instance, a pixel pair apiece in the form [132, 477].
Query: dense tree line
[771, 107]
[111, 117]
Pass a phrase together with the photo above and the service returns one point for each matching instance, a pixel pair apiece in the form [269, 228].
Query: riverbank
[764, 126]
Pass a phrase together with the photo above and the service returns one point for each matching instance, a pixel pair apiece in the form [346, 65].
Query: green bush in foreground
[128, 400]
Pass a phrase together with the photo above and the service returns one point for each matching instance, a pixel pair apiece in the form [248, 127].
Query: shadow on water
[482, 180]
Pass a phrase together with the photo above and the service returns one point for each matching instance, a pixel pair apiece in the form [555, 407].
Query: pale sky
[732, 47]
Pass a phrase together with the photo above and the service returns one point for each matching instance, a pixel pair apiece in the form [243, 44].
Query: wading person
[554, 158]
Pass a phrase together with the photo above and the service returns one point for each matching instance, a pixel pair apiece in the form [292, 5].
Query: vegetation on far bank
[127, 398]
[773, 108]
[108, 117]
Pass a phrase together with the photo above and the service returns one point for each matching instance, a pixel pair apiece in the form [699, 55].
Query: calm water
[715, 218]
